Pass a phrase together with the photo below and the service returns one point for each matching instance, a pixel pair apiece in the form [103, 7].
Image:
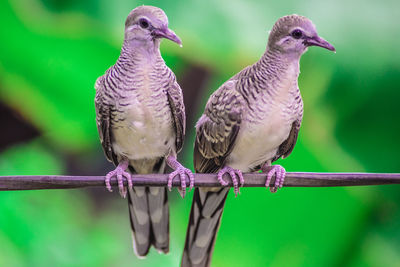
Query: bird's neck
[276, 64]
[279, 72]
[140, 53]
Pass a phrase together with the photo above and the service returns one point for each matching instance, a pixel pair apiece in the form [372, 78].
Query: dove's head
[148, 24]
[294, 34]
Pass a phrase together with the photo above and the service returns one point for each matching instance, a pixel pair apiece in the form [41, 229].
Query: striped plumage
[136, 92]
[141, 122]
[252, 120]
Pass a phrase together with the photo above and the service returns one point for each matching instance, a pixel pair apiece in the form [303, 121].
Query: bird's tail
[149, 216]
[204, 222]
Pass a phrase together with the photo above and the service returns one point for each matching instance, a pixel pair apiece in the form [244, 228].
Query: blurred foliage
[53, 51]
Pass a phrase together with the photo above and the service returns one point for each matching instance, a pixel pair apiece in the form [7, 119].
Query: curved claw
[279, 173]
[182, 172]
[241, 178]
[170, 178]
[182, 190]
[120, 174]
[220, 180]
[121, 188]
[128, 178]
[234, 181]
[232, 173]
[191, 181]
[107, 181]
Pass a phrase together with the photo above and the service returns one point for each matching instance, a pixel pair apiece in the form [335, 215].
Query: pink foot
[119, 173]
[232, 173]
[182, 172]
[280, 174]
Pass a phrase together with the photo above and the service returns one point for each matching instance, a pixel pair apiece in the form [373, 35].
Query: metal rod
[293, 179]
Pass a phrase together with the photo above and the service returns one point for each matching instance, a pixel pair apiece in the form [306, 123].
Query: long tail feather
[149, 214]
[140, 220]
[159, 216]
[204, 222]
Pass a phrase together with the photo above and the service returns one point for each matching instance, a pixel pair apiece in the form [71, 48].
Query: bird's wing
[175, 100]
[103, 120]
[218, 128]
[287, 146]
[216, 133]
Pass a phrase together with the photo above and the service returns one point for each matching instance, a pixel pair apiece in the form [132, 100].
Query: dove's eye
[144, 23]
[297, 34]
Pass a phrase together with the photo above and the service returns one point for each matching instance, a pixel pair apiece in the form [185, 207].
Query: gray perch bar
[293, 179]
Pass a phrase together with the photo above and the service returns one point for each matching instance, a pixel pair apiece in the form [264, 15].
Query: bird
[141, 120]
[250, 121]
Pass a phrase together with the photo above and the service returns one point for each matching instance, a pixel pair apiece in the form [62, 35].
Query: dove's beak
[318, 41]
[167, 34]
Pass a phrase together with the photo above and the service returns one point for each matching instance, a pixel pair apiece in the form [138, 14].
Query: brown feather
[175, 100]
[287, 146]
[103, 121]
[216, 132]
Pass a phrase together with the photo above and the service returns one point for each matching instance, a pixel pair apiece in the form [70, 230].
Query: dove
[141, 122]
[252, 120]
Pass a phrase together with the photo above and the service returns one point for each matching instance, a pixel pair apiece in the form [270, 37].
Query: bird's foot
[280, 174]
[232, 173]
[120, 172]
[182, 172]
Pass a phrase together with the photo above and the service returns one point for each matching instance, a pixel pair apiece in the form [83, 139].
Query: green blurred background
[51, 53]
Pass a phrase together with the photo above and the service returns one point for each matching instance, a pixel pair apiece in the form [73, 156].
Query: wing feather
[175, 100]
[103, 121]
[287, 146]
[217, 129]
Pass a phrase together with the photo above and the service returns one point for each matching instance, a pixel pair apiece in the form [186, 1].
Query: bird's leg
[120, 172]
[232, 173]
[181, 171]
[279, 172]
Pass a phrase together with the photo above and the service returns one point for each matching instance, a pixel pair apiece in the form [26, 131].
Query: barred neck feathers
[140, 53]
[278, 69]
[136, 63]
[274, 74]
[136, 70]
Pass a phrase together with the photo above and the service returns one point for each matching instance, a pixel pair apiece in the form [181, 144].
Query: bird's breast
[144, 128]
[264, 129]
